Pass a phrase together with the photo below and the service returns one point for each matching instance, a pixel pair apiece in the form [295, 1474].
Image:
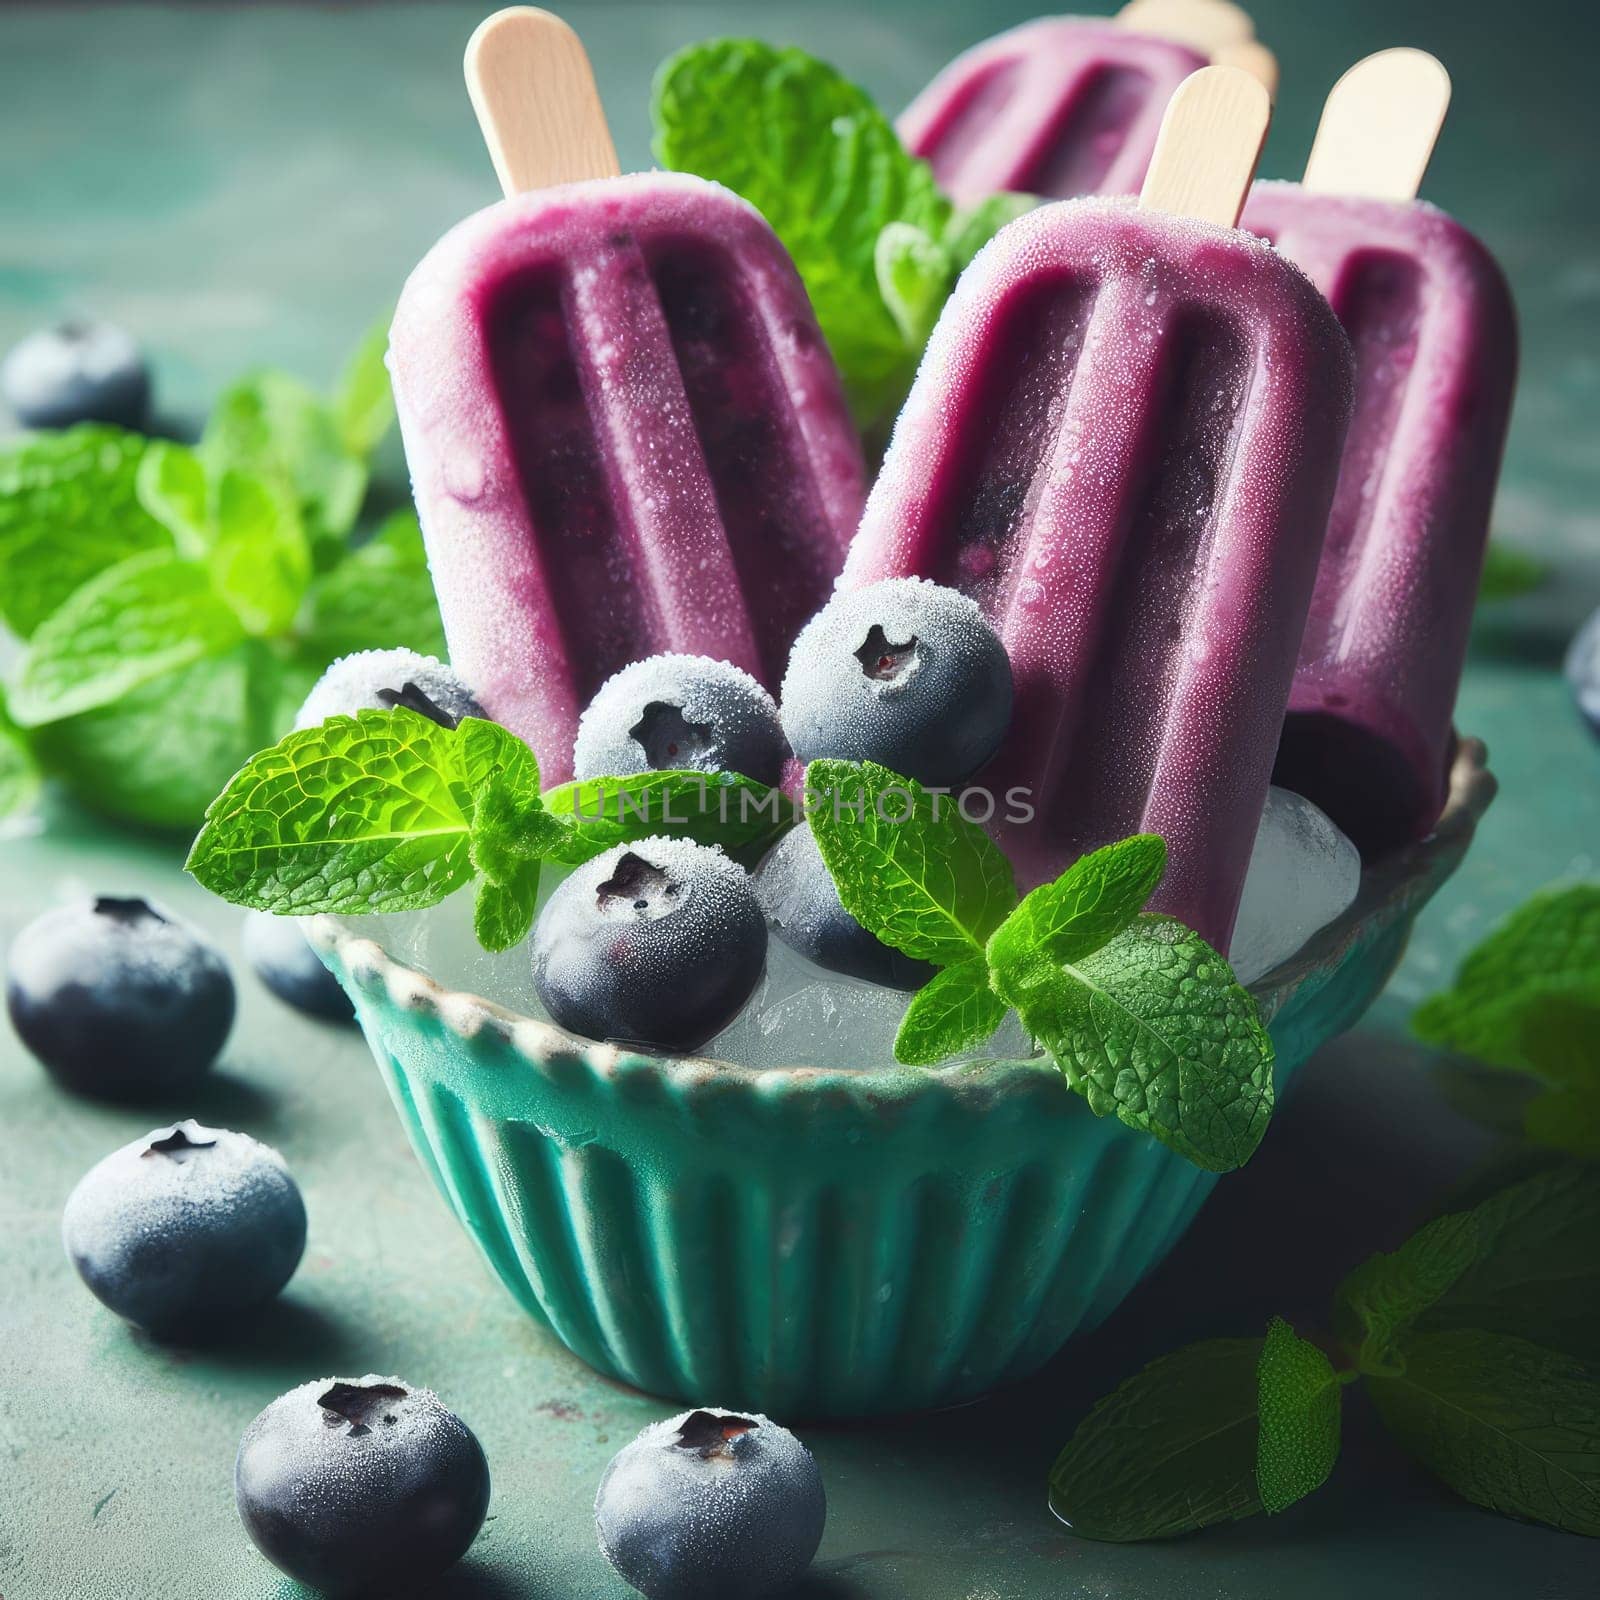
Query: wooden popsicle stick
[1254, 58]
[1379, 125]
[1204, 25]
[534, 92]
[1208, 146]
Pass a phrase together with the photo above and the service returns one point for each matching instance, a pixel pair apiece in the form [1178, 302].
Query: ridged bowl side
[809, 1242]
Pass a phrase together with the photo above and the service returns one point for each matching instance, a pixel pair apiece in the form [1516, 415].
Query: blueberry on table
[77, 371]
[361, 1486]
[281, 957]
[680, 712]
[802, 907]
[711, 1505]
[184, 1229]
[1583, 671]
[118, 998]
[377, 680]
[903, 672]
[658, 943]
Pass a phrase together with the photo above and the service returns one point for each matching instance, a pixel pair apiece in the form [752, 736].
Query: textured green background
[252, 183]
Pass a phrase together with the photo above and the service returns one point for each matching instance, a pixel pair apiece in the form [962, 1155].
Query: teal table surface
[251, 184]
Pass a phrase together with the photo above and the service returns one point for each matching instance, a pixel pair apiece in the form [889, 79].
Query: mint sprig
[907, 864]
[143, 619]
[1476, 1340]
[391, 811]
[69, 508]
[1298, 1406]
[1155, 1028]
[177, 604]
[20, 779]
[1527, 999]
[1505, 1423]
[1143, 1017]
[877, 243]
[1171, 1451]
[360, 814]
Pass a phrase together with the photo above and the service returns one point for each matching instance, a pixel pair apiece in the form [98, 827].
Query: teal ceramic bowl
[821, 1243]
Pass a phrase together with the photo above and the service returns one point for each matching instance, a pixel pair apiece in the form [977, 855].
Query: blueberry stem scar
[882, 660]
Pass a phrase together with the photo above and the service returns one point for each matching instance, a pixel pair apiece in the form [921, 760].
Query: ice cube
[1303, 873]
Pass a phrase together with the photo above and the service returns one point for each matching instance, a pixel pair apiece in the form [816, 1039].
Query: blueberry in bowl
[711, 1505]
[678, 712]
[381, 680]
[903, 672]
[183, 1230]
[364, 1486]
[656, 943]
[118, 998]
[280, 957]
[803, 908]
[77, 371]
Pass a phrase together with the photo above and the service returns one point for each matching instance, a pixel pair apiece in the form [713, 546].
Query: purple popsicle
[1123, 443]
[1369, 735]
[1059, 107]
[626, 435]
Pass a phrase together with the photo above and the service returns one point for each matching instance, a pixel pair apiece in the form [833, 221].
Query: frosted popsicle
[625, 432]
[1369, 735]
[1067, 106]
[1122, 443]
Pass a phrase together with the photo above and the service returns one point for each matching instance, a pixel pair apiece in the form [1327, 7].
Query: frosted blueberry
[79, 371]
[803, 908]
[280, 957]
[1583, 671]
[375, 680]
[183, 1229]
[675, 711]
[118, 998]
[903, 672]
[361, 1486]
[656, 943]
[711, 1505]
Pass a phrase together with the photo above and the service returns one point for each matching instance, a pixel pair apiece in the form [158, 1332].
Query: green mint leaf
[69, 508]
[1545, 954]
[914, 276]
[825, 167]
[1172, 1450]
[158, 755]
[171, 485]
[363, 401]
[1298, 1401]
[365, 813]
[1385, 1295]
[908, 866]
[1155, 1027]
[1567, 1118]
[274, 426]
[259, 561]
[511, 831]
[720, 808]
[1505, 1423]
[378, 597]
[1508, 572]
[20, 780]
[969, 230]
[1097, 897]
[1535, 1271]
[502, 913]
[954, 1011]
[135, 622]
